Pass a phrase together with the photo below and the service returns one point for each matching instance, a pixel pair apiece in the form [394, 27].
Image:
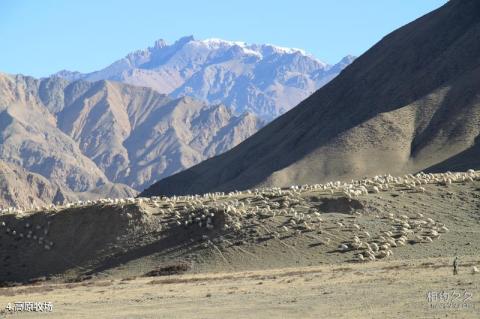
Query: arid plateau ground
[380, 247]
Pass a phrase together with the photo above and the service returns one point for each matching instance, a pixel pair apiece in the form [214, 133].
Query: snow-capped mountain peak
[264, 79]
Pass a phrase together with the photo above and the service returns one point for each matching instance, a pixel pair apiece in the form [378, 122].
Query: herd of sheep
[229, 212]
[36, 233]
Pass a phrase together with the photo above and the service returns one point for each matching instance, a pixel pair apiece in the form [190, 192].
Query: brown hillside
[410, 103]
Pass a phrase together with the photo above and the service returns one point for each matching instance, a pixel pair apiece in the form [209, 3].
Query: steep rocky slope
[410, 103]
[84, 136]
[22, 188]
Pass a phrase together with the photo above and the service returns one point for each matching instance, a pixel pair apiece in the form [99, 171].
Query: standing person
[455, 265]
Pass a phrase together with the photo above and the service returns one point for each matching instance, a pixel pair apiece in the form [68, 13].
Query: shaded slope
[469, 158]
[255, 229]
[408, 103]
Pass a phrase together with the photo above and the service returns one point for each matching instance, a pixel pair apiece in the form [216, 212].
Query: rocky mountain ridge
[64, 140]
[265, 80]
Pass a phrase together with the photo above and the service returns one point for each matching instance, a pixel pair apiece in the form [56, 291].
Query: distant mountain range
[62, 140]
[158, 111]
[265, 80]
[410, 103]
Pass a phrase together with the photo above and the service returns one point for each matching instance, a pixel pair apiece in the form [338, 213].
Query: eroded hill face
[373, 219]
[105, 137]
[410, 103]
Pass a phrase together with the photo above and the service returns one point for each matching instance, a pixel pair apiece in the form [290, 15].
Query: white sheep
[443, 229]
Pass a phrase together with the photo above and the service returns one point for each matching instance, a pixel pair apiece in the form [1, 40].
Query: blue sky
[40, 37]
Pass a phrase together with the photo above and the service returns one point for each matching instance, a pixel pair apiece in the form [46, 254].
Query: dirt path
[393, 289]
